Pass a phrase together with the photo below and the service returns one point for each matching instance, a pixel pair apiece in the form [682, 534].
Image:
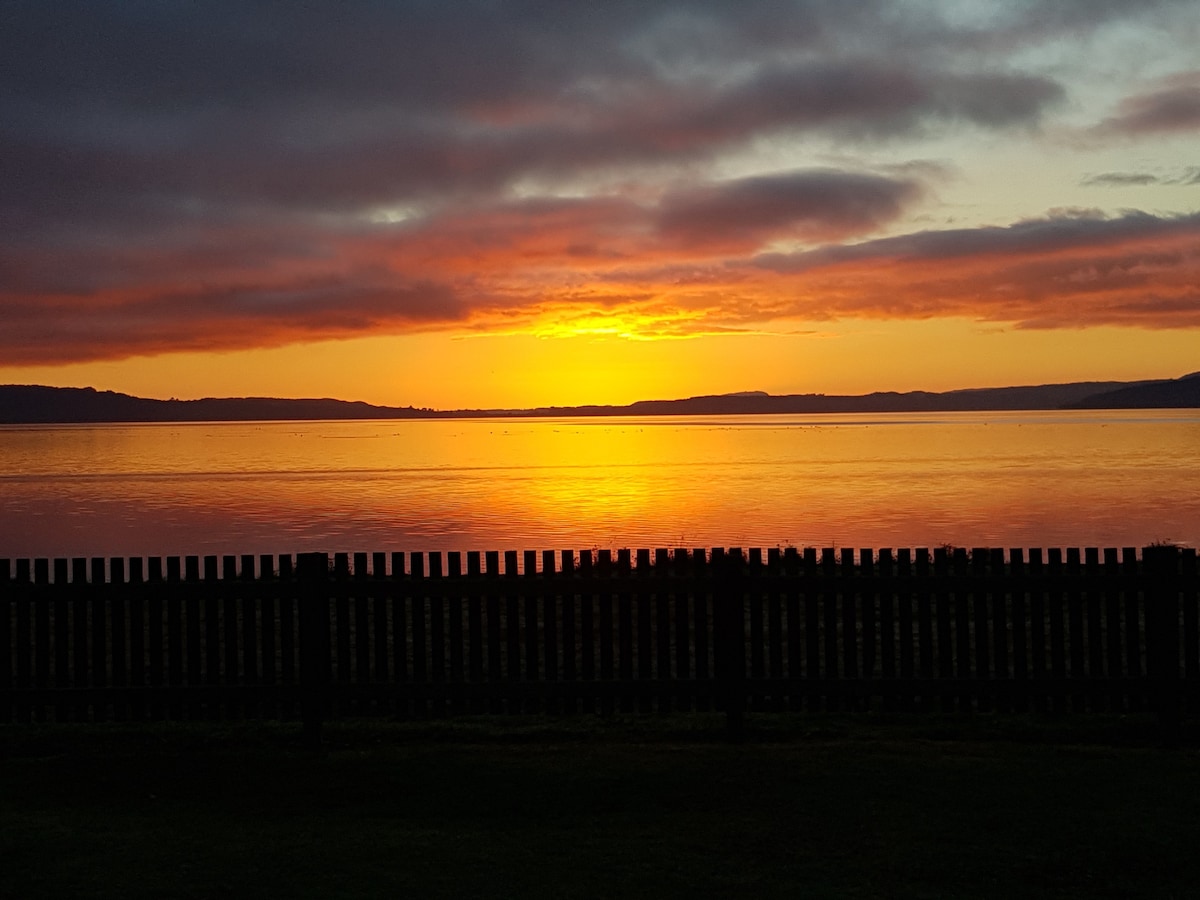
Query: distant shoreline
[39, 404]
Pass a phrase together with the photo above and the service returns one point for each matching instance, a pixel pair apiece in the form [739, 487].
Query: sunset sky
[486, 204]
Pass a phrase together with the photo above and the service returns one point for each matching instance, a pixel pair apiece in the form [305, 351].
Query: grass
[807, 806]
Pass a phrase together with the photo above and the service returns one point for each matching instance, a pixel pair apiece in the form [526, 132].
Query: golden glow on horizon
[521, 370]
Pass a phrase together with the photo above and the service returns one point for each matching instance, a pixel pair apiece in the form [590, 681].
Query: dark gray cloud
[321, 106]
[1070, 230]
[1173, 105]
[823, 204]
[1121, 179]
[1071, 270]
[1190, 175]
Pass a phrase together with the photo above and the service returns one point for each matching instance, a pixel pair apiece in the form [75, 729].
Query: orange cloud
[618, 267]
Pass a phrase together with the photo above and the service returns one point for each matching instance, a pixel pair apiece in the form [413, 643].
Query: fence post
[731, 641]
[1161, 569]
[312, 574]
[6, 698]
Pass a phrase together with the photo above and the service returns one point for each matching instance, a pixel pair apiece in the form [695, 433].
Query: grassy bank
[816, 806]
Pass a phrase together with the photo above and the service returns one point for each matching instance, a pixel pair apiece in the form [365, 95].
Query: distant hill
[37, 404]
[33, 404]
[1178, 393]
[1045, 396]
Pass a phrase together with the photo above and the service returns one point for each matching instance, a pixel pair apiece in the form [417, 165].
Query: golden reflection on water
[994, 479]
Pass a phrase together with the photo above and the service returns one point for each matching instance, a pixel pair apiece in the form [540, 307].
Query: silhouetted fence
[422, 635]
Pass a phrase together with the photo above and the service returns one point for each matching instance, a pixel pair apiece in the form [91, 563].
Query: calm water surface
[896, 480]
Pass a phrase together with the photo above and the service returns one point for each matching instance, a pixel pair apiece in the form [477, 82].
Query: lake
[997, 479]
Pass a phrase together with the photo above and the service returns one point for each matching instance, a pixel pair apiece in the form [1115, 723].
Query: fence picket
[6, 646]
[1037, 630]
[511, 612]
[532, 655]
[924, 626]
[288, 642]
[1190, 634]
[1133, 629]
[830, 587]
[248, 602]
[455, 617]
[945, 653]
[870, 612]
[962, 626]
[494, 662]
[812, 630]
[137, 639]
[416, 596]
[569, 638]
[191, 636]
[587, 629]
[437, 635]
[1112, 628]
[702, 691]
[1095, 631]
[155, 645]
[398, 597]
[756, 600]
[225, 586]
[604, 576]
[23, 679]
[552, 596]
[680, 607]
[269, 629]
[61, 633]
[1000, 633]
[980, 620]
[848, 596]
[117, 638]
[1058, 650]
[789, 568]
[474, 626]
[624, 630]
[775, 629]
[643, 638]
[1020, 634]
[41, 638]
[99, 623]
[904, 620]
[1077, 650]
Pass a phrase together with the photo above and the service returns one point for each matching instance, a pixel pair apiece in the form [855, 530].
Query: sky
[484, 203]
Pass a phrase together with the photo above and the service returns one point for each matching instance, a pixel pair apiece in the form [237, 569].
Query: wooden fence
[422, 635]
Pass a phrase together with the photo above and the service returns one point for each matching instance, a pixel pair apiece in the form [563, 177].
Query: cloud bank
[178, 177]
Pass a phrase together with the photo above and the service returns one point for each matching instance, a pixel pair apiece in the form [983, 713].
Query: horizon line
[745, 393]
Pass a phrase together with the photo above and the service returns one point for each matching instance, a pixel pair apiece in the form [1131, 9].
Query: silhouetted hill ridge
[1179, 393]
[39, 404]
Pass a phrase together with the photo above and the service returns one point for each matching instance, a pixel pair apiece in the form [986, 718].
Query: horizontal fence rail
[421, 635]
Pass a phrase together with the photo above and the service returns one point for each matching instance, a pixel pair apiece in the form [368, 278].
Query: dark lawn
[811, 806]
